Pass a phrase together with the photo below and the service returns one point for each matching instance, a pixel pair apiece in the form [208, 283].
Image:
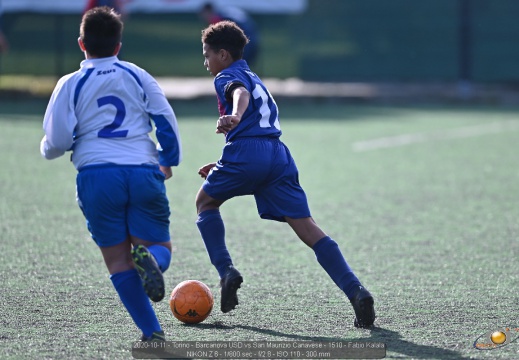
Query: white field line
[441, 135]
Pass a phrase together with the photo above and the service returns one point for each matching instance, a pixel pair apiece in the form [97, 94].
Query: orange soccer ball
[191, 301]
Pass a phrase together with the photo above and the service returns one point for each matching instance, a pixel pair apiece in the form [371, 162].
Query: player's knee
[117, 266]
[200, 200]
[200, 204]
[306, 229]
[204, 202]
[166, 244]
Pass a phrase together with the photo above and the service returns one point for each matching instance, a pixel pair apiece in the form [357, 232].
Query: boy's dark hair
[225, 35]
[101, 31]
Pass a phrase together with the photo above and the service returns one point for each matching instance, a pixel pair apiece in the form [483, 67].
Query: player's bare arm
[204, 170]
[240, 102]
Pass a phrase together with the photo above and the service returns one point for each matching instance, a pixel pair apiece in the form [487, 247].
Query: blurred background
[403, 41]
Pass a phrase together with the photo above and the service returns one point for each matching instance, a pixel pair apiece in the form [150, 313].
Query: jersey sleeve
[59, 122]
[225, 83]
[169, 144]
[230, 87]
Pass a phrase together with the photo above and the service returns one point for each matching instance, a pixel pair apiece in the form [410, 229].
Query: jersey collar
[90, 63]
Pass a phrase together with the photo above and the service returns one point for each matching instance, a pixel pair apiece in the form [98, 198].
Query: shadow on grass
[393, 340]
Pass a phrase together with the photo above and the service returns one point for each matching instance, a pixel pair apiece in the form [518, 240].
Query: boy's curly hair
[226, 35]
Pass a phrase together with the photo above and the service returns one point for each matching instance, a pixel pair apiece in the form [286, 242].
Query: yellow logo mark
[498, 337]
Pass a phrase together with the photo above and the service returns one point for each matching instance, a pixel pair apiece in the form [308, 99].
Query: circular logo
[496, 338]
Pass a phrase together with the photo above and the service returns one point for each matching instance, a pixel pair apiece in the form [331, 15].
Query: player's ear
[81, 44]
[224, 55]
[118, 48]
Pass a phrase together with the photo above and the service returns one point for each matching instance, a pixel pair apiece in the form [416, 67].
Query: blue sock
[330, 257]
[162, 255]
[211, 228]
[129, 287]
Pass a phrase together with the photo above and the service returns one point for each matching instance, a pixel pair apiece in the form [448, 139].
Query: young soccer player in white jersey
[255, 162]
[102, 114]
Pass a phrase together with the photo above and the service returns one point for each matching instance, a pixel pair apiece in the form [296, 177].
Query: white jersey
[102, 114]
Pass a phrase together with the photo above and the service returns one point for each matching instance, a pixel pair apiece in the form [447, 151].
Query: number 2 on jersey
[109, 131]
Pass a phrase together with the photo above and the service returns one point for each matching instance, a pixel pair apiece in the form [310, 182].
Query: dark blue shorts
[262, 167]
[122, 200]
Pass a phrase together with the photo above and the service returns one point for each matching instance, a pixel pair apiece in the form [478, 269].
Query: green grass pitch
[423, 202]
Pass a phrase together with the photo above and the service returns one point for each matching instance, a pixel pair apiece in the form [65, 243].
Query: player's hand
[226, 123]
[204, 170]
[166, 170]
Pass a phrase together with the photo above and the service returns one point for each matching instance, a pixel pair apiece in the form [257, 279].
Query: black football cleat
[362, 303]
[157, 336]
[230, 284]
[151, 276]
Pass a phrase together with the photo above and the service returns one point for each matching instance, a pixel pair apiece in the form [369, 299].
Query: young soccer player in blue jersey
[255, 162]
[102, 114]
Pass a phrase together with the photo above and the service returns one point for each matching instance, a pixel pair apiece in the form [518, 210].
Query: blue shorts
[262, 167]
[122, 200]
